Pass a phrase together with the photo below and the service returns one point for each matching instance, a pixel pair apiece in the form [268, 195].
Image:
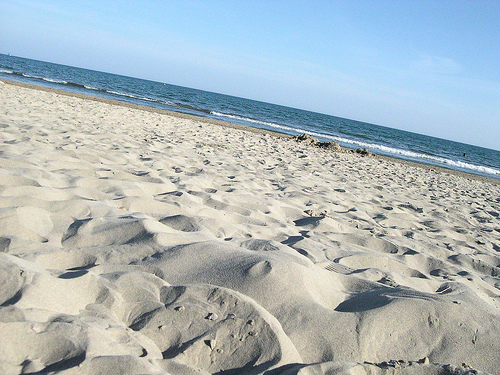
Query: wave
[55, 81]
[372, 146]
[247, 119]
[39, 78]
[474, 167]
[137, 97]
[124, 94]
[88, 87]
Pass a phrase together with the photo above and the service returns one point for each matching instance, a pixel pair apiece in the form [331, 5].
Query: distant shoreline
[236, 126]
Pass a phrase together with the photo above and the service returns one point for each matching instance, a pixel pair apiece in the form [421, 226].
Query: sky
[430, 67]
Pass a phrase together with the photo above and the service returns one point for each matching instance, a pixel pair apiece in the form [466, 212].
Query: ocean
[348, 133]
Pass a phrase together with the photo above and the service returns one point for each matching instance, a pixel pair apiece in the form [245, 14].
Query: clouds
[437, 65]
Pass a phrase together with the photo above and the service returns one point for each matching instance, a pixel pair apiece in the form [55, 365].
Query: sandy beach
[137, 241]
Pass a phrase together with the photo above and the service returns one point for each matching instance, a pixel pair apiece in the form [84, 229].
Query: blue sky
[430, 67]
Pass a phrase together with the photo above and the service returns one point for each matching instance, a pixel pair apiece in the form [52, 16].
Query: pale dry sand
[137, 242]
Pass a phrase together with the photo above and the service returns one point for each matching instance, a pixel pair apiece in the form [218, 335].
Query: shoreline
[241, 127]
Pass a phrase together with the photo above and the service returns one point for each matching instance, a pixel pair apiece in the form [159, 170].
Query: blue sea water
[349, 133]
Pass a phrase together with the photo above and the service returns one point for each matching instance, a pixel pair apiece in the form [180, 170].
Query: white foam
[55, 81]
[137, 97]
[246, 119]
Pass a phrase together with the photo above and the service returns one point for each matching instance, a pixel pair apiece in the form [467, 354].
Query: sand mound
[215, 329]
